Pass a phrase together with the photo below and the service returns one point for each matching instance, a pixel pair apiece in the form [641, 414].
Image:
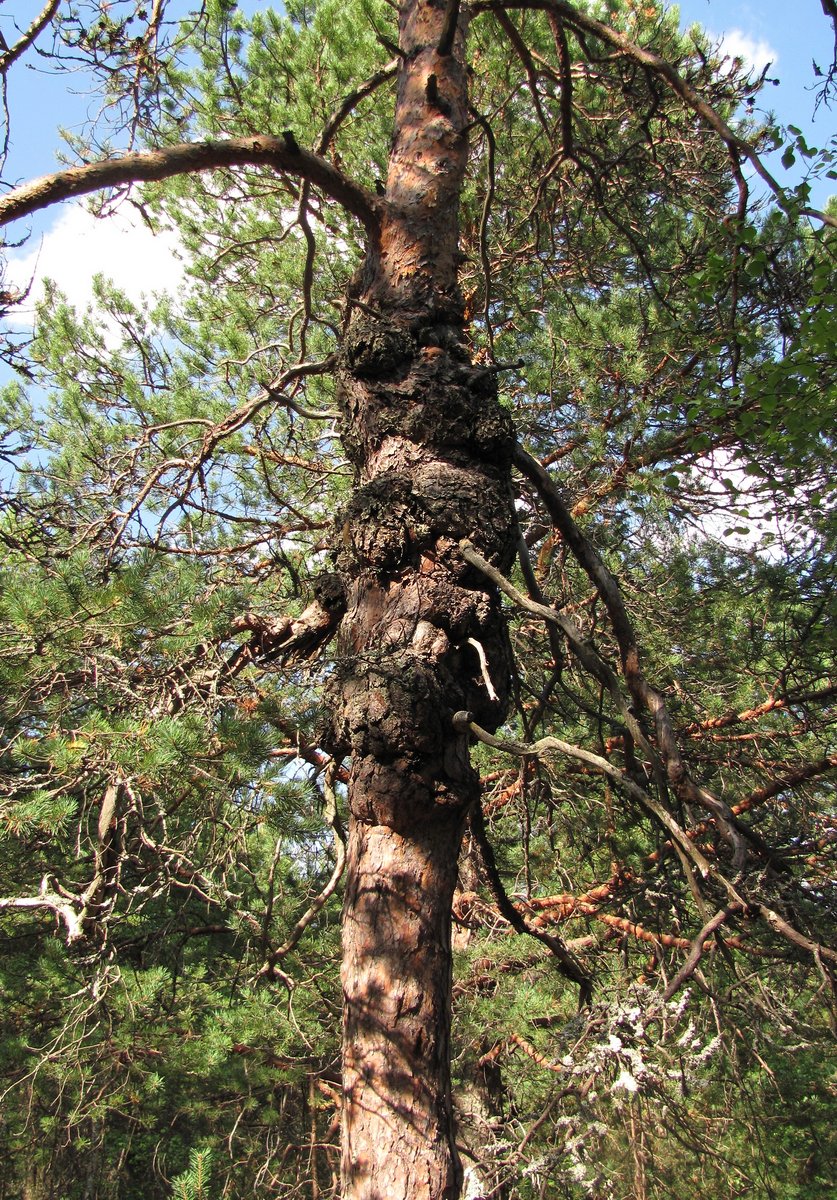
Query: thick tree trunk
[396, 979]
[422, 637]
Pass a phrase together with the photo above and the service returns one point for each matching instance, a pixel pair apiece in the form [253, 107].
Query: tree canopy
[533, 502]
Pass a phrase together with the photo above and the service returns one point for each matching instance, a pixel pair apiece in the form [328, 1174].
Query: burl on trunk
[422, 636]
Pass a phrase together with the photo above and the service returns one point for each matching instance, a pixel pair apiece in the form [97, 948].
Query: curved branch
[464, 723]
[47, 898]
[579, 20]
[25, 41]
[697, 950]
[350, 102]
[567, 962]
[584, 651]
[282, 154]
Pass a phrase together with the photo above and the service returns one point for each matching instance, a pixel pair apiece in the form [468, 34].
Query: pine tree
[412, 488]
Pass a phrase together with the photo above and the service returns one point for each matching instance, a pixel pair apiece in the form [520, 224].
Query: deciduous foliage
[458, 544]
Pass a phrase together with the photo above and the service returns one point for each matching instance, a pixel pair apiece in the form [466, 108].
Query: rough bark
[422, 636]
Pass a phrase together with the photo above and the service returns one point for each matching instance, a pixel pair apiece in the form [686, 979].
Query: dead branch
[641, 690]
[269, 966]
[699, 946]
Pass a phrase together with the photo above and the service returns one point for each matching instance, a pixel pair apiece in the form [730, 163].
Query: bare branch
[464, 723]
[584, 651]
[783, 927]
[25, 41]
[568, 963]
[189, 158]
[697, 951]
[351, 101]
[47, 898]
[269, 966]
[290, 640]
[640, 689]
[738, 147]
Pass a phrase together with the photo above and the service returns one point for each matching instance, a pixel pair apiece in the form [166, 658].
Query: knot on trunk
[380, 525]
[373, 348]
[417, 384]
[393, 707]
[392, 521]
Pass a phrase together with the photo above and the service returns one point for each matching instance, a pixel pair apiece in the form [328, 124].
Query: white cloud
[755, 52]
[78, 246]
[744, 495]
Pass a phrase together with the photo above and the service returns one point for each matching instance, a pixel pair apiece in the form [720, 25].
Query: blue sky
[789, 34]
[68, 245]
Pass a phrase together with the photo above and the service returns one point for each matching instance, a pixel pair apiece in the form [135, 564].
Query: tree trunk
[422, 638]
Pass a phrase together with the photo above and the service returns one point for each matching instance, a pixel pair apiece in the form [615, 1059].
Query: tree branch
[47, 898]
[567, 962]
[351, 101]
[696, 953]
[737, 146]
[584, 651]
[448, 33]
[463, 722]
[643, 693]
[521, 49]
[566, 86]
[282, 154]
[25, 41]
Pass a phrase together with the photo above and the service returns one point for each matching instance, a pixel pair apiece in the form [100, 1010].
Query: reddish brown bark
[431, 447]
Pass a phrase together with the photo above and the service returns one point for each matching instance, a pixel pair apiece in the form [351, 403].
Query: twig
[568, 964]
[269, 966]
